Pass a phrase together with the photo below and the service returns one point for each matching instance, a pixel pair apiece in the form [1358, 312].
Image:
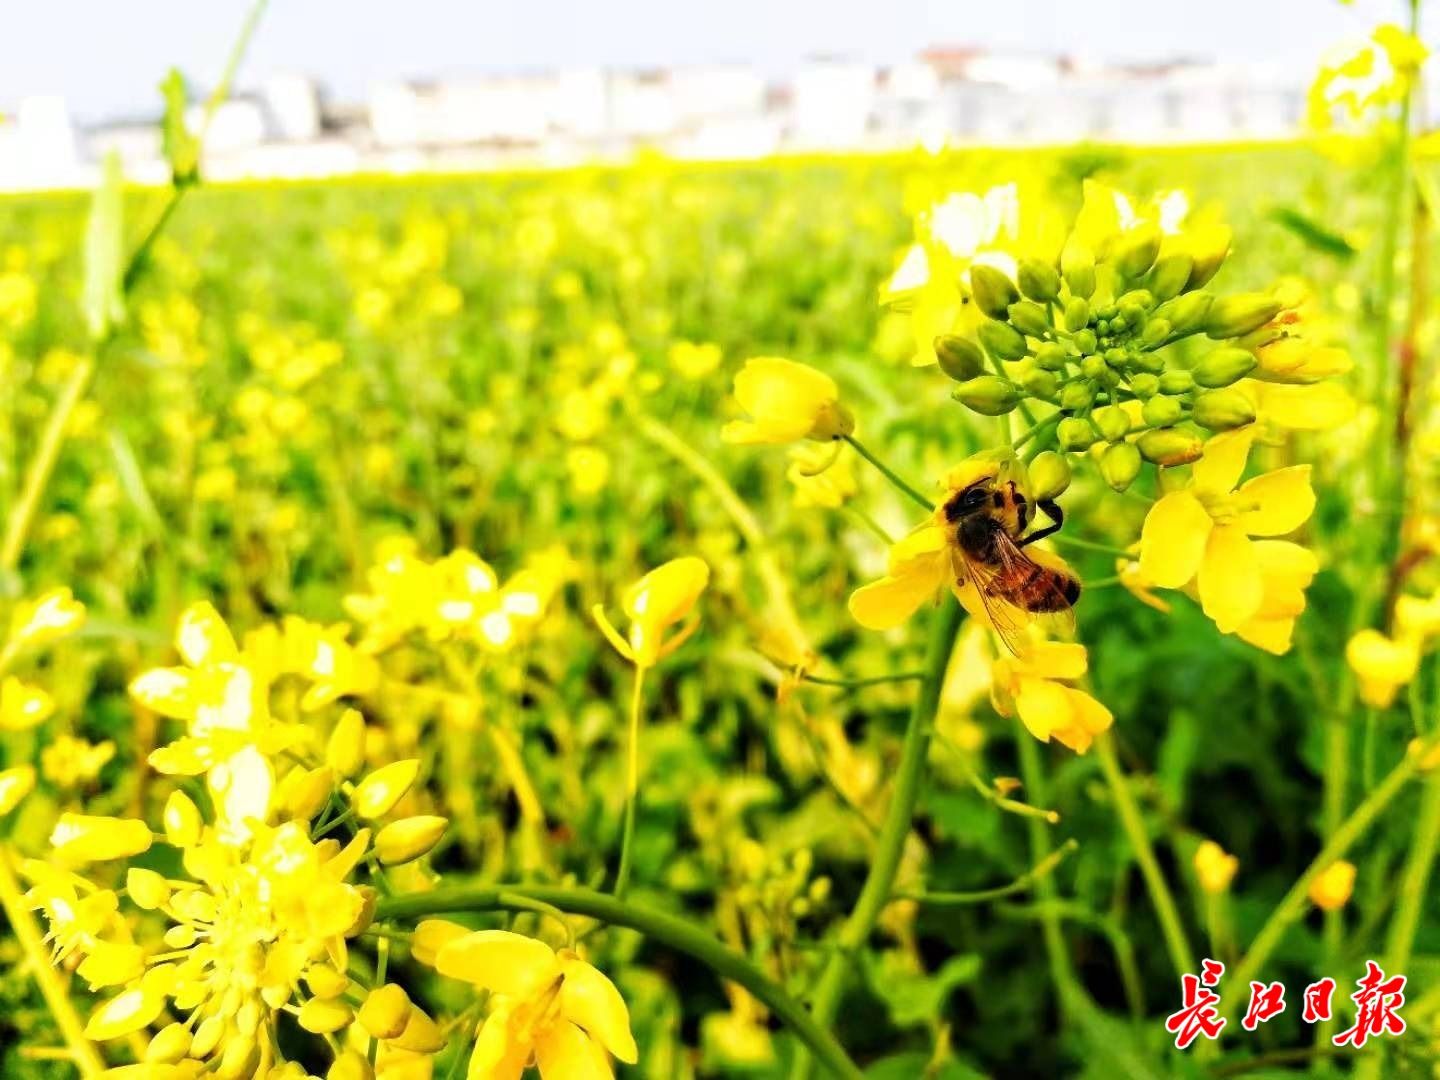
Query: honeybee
[989, 517]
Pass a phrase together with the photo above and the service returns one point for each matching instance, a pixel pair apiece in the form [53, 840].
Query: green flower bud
[1231, 316]
[1040, 383]
[1112, 421]
[1039, 280]
[1109, 311]
[1073, 433]
[1209, 252]
[1051, 356]
[1085, 341]
[1170, 446]
[1049, 475]
[1102, 327]
[1137, 249]
[1151, 362]
[1120, 464]
[1223, 367]
[1143, 299]
[1133, 314]
[1161, 411]
[1119, 323]
[993, 291]
[1145, 385]
[959, 357]
[1177, 381]
[1093, 366]
[1077, 265]
[1077, 313]
[1077, 395]
[1003, 341]
[1170, 275]
[1155, 332]
[988, 395]
[1029, 318]
[1221, 410]
[1117, 358]
[1186, 313]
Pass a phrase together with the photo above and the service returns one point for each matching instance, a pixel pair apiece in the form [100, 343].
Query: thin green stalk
[890, 474]
[874, 680]
[1026, 881]
[37, 476]
[632, 785]
[1336, 784]
[22, 923]
[880, 881]
[1292, 905]
[660, 927]
[1062, 972]
[1176, 941]
[1414, 883]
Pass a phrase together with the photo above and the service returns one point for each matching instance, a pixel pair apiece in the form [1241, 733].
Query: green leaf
[913, 997]
[104, 299]
[1314, 234]
[181, 148]
[1177, 756]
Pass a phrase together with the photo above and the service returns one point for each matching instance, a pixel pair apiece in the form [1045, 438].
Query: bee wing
[1005, 618]
[1015, 559]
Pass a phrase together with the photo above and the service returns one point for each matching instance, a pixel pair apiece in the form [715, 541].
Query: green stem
[890, 474]
[880, 881]
[1023, 883]
[660, 927]
[1090, 545]
[873, 680]
[1062, 973]
[632, 785]
[1292, 905]
[1414, 882]
[1176, 940]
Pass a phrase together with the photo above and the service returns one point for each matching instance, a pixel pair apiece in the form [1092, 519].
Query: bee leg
[1051, 510]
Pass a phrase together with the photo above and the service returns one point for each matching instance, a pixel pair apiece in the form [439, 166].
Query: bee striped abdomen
[1037, 588]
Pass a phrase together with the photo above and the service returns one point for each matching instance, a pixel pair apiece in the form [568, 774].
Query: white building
[832, 104]
[38, 148]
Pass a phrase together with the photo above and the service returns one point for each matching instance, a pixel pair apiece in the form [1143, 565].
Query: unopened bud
[1186, 313]
[1040, 383]
[1051, 356]
[1137, 249]
[1002, 340]
[146, 888]
[421, 1035]
[1155, 332]
[1117, 357]
[1221, 410]
[350, 1066]
[324, 1016]
[1145, 385]
[1073, 433]
[385, 1012]
[992, 289]
[1077, 395]
[1093, 367]
[376, 795]
[1029, 318]
[369, 900]
[409, 838]
[182, 820]
[1151, 362]
[1170, 446]
[959, 357]
[305, 791]
[1077, 265]
[988, 395]
[1223, 367]
[1077, 313]
[1231, 316]
[1085, 340]
[1039, 280]
[1170, 275]
[1208, 247]
[1120, 464]
[345, 752]
[1161, 411]
[325, 982]
[1112, 421]
[1049, 475]
[1176, 381]
[170, 1045]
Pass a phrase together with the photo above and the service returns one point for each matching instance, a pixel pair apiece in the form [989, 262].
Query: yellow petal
[499, 961]
[564, 1052]
[15, 784]
[1305, 408]
[1272, 635]
[1231, 588]
[168, 691]
[203, 638]
[1172, 540]
[432, 935]
[83, 838]
[1088, 718]
[1284, 500]
[112, 964]
[589, 998]
[1043, 707]
[498, 1054]
[125, 1014]
[1054, 660]
[887, 603]
[1223, 463]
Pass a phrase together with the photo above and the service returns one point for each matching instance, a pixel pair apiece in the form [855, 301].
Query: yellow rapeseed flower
[1214, 867]
[47, 618]
[1032, 688]
[786, 402]
[551, 1008]
[1331, 889]
[1381, 665]
[661, 599]
[1202, 532]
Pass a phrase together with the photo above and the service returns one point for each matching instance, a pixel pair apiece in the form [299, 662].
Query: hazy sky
[106, 56]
